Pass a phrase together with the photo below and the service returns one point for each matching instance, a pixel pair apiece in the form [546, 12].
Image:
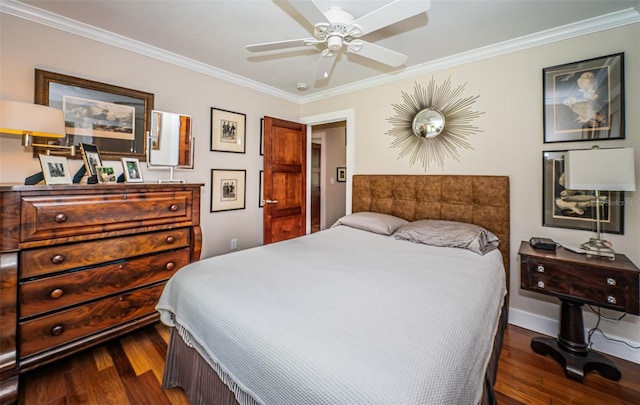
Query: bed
[370, 311]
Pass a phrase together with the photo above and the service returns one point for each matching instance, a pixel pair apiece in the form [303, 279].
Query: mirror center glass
[428, 123]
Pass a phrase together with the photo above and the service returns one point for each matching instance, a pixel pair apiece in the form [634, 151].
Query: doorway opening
[320, 125]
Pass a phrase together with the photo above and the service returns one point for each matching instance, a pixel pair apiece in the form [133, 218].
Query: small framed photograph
[106, 174]
[576, 209]
[55, 169]
[261, 190]
[227, 131]
[584, 101]
[132, 173]
[228, 189]
[341, 174]
[91, 158]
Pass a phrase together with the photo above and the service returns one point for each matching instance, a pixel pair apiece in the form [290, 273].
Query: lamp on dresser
[600, 170]
[28, 120]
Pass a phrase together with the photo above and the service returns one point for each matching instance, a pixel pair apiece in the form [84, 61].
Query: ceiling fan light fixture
[334, 43]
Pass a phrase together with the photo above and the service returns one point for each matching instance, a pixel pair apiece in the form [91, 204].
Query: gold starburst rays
[435, 147]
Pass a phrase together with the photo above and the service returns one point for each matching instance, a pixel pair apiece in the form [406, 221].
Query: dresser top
[96, 187]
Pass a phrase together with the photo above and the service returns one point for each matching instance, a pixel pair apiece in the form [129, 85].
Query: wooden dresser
[81, 264]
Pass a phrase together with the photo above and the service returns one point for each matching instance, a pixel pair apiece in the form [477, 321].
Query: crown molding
[585, 27]
[580, 28]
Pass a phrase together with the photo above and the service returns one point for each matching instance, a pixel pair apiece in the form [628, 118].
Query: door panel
[316, 153]
[285, 180]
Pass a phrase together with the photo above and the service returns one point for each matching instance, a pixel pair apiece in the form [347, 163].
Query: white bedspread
[344, 316]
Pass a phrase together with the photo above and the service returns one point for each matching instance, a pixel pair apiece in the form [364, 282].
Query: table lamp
[599, 170]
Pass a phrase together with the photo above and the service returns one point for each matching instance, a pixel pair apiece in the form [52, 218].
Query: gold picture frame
[115, 119]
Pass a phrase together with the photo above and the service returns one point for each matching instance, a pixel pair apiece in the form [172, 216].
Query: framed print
[341, 174]
[261, 190]
[115, 119]
[91, 158]
[106, 174]
[228, 189]
[584, 100]
[575, 209]
[55, 169]
[227, 131]
[132, 173]
[261, 136]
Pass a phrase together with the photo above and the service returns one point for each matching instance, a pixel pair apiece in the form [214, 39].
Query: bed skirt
[185, 368]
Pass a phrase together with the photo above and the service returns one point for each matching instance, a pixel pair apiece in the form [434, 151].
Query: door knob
[271, 201]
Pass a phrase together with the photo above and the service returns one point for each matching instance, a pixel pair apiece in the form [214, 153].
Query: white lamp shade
[31, 119]
[600, 169]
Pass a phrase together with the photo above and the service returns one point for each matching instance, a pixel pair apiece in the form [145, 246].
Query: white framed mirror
[170, 144]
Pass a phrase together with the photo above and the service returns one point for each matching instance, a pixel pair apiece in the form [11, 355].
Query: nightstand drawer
[591, 282]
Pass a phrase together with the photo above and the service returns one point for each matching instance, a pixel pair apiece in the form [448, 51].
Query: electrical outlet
[234, 244]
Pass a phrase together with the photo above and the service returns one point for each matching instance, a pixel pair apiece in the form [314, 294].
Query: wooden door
[285, 180]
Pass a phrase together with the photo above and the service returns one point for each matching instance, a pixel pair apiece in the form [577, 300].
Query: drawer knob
[540, 268]
[173, 207]
[170, 239]
[611, 281]
[60, 218]
[57, 330]
[170, 266]
[57, 259]
[540, 284]
[611, 299]
[57, 293]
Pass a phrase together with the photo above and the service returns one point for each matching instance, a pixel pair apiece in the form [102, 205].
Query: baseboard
[549, 327]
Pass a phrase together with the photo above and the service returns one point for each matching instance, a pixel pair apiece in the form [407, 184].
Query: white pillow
[373, 222]
[449, 234]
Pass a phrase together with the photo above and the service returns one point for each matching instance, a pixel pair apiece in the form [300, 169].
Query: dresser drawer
[52, 293]
[57, 329]
[37, 262]
[600, 286]
[46, 217]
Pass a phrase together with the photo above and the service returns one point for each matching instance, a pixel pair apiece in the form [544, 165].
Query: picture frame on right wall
[584, 101]
[575, 209]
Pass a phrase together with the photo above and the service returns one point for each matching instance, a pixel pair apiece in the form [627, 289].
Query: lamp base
[599, 247]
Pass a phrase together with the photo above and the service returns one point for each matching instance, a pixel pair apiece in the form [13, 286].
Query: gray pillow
[449, 234]
[373, 222]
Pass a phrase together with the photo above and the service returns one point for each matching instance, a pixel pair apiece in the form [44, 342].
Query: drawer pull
[170, 239]
[540, 284]
[57, 330]
[60, 218]
[611, 299]
[173, 207]
[540, 268]
[57, 293]
[57, 259]
[170, 266]
[611, 281]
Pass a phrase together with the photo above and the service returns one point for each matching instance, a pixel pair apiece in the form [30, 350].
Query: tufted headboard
[480, 200]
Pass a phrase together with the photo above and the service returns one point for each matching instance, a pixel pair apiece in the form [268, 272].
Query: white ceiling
[210, 36]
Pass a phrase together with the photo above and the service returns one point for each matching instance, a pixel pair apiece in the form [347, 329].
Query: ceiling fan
[339, 30]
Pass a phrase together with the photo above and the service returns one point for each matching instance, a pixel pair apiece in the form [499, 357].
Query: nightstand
[577, 280]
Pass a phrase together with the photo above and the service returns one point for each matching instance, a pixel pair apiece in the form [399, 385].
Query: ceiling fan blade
[291, 43]
[389, 14]
[377, 53]
[325, 64]
[310, 11]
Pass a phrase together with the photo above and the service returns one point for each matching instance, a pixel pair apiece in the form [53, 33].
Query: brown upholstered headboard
[480, 200]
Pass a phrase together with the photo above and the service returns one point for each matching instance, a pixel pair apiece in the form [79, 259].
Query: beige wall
[25, 46]
[510, 144]
[510, 90]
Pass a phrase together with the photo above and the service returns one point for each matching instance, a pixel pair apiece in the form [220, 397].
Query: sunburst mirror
[432, 123]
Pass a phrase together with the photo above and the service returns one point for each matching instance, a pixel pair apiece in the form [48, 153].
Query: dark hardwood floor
[129, 370]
